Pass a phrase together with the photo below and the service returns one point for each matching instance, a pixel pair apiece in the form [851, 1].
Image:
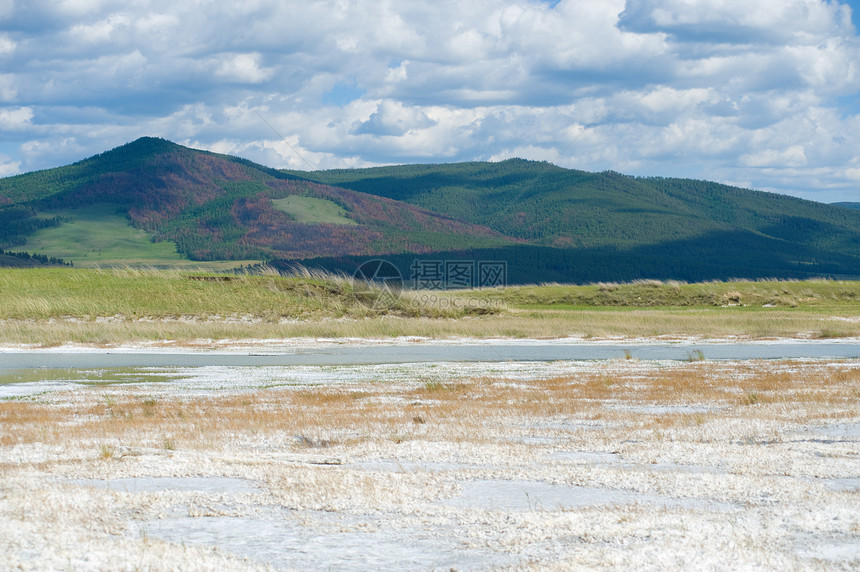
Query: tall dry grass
[111, 306]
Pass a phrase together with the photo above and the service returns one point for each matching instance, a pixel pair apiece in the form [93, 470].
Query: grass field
[98, 236]
[312, 210]
[53, 306]
[651, 293]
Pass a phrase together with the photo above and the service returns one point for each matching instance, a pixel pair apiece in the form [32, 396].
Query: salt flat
[620, 463]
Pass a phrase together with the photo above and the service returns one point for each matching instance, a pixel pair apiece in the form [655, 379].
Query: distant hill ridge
[216, 207]
[622, 227]
[546, 222]
[553, 206]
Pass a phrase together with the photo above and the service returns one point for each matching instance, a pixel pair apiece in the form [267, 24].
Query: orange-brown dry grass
[454, 410]
[690, 384]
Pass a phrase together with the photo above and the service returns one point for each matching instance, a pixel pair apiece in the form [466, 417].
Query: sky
[762, 94]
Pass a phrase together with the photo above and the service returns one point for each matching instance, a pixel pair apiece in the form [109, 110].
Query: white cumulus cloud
[764, 92]
[242, 68]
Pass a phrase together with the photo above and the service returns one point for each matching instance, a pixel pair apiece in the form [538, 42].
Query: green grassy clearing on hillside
[312, 210]
[98, 236]
[53, 306]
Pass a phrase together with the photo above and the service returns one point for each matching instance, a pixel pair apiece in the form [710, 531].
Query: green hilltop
[847, 205]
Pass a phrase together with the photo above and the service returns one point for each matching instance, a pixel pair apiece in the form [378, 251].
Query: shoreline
[241, 346]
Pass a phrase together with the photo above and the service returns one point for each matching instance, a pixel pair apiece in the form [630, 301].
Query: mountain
[552, 206]
[848, 205]
[608, 226]
[155, 202]
[217, 207]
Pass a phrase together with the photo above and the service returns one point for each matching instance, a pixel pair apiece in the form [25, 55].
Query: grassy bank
[53, 306]
[135, 294]
[652, 293]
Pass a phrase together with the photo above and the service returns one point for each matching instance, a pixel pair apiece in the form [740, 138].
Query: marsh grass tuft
[314, 443]
[107, 452]
[696, 355]
[148, 406]
[434, 386]
[829, 333]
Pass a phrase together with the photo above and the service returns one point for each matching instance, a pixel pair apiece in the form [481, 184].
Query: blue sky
[757, 93]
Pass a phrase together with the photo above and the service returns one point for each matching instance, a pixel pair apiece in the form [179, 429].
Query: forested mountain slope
[848, 205]
[155, 202]
[220, 207]
[552, 206]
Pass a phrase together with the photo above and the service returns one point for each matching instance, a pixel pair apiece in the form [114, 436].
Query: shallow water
[521, 495]
[428, 353]
[209, 485]
[327, 541]
[314, 539]
[24, 373]
[845, 484]
[281, 538]
[842, 552]
[614, 460]
[197, 380]
[840, 431]
[22, 382]
[393, 465]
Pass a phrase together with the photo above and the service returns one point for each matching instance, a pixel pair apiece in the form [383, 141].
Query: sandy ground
[621, 464]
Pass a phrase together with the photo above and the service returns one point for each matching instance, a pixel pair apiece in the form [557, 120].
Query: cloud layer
[763, 94]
